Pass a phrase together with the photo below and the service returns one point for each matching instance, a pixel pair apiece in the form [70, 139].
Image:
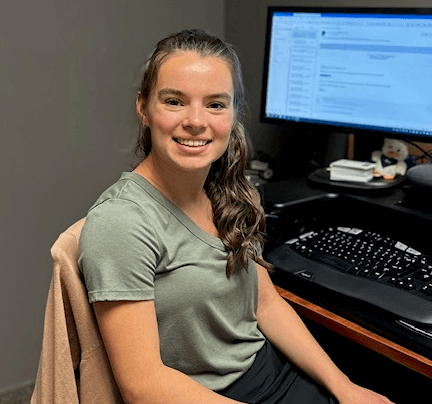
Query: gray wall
[245, 28]
[68, 75]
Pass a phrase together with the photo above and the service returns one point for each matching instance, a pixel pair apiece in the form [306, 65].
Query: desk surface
[284, 194]
[358, 334]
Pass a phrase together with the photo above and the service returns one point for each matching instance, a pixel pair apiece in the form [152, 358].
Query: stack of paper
[351, 170]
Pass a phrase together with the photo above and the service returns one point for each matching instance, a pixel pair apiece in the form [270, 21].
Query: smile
[192, 143]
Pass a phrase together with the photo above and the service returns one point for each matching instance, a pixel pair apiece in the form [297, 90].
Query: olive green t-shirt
[138, 245]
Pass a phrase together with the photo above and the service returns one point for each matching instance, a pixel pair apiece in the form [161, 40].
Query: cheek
[162, 124]
[225, 131]
[224, 127]
[224, 137]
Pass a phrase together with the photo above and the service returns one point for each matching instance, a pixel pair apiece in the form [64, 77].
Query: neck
[185, 189]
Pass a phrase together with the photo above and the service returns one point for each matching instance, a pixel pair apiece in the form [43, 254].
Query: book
[351, 170]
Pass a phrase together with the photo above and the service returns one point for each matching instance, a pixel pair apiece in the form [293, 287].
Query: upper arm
[130, 335]
[267, 293]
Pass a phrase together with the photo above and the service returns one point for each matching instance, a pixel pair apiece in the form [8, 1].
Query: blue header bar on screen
[353, 15]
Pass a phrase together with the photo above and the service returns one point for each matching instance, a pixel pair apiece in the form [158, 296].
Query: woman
[171, 253]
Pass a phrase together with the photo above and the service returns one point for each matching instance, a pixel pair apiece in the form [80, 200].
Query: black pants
[273, 380]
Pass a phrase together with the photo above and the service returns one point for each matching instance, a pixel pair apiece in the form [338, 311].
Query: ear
[140, 109]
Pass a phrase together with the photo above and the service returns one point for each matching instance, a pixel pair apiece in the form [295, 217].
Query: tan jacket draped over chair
[73, 366]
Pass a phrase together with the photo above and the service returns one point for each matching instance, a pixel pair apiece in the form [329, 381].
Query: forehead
[187, 68]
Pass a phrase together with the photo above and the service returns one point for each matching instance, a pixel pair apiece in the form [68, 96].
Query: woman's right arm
[130, 334]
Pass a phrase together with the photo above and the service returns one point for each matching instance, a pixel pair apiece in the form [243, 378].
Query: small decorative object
[260, 169]
[390, 161]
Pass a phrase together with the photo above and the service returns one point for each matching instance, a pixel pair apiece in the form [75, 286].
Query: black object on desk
[321, 177]
[297, 209]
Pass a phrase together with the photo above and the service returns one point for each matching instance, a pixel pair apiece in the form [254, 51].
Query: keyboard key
[412, 251]
[423, 275]
[401, 246]
[354, 269]
[427, 290]
[392, 280]
[377, 275]
[365, 272]
[409, 286]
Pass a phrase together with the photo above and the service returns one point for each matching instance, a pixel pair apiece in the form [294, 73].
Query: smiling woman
[171, 253]
[191, 103]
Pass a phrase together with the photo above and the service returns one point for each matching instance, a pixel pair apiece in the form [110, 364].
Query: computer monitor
[350, 70]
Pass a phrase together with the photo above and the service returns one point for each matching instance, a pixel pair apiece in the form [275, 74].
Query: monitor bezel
[330, 127]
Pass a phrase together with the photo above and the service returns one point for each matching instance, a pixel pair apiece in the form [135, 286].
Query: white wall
[68, 75]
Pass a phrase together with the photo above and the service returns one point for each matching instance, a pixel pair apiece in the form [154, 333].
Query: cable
[426, 153]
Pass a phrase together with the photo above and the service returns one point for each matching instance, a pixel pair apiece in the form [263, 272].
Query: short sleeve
[119, 252]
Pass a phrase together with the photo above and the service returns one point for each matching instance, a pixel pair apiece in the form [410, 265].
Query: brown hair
[237, 212]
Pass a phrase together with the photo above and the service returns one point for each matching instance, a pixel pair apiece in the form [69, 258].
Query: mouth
[192, 143]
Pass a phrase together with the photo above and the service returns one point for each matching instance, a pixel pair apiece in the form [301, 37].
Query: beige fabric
[73, 366]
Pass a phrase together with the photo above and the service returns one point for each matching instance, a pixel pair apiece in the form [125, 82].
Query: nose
[195, 118]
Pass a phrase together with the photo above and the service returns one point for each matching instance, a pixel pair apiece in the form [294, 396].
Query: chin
[189, 165]
[195, 168]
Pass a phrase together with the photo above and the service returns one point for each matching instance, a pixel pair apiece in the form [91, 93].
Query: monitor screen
[350, 69]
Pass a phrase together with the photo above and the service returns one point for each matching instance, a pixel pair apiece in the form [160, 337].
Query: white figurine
[390, 161]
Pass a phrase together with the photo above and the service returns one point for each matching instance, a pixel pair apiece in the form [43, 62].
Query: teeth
[192, 143]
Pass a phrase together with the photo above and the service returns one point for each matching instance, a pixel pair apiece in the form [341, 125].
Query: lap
[273, 380]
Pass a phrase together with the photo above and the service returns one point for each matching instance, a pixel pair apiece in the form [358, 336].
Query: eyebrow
[224, 95]
[173, 91]
[169, 91]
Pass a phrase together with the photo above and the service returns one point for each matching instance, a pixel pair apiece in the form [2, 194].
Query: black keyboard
[365, 266]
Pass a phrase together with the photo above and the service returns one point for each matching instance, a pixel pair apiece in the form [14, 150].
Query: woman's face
[190, 111]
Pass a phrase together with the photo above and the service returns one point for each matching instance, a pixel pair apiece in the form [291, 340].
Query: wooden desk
[358, 334]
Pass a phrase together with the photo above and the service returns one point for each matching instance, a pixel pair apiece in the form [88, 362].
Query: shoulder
[124, 216]
[129, 200]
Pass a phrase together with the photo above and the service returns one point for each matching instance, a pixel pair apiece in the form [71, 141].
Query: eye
[173, 102]
[217, 105]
